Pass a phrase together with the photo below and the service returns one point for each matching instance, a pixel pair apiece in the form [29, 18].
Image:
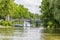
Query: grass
[49, 36]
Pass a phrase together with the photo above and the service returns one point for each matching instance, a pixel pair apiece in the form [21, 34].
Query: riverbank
[49, 36]
[5, 26]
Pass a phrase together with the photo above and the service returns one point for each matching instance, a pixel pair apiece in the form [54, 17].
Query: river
[19, 33]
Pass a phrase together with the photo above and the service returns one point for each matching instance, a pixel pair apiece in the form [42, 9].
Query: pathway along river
[21, 34]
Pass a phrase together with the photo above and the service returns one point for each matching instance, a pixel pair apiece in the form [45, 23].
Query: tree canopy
[51, 13]
[13, 10]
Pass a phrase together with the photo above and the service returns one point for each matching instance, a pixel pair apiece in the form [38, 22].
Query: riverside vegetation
[9, 10]
[51, 15]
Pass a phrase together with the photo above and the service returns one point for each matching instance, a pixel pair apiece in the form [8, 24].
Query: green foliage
[13, 10]
[21, 22]
[6, 23]
[51, 14]
[9, 10]
[6, 7]
[23, 12]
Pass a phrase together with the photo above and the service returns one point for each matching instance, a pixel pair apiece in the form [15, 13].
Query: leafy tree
[45, 12]
[50, 14]
[23, 12]
[6, 8]
[37, 15]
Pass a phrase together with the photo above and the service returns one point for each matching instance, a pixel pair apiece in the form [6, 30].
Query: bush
[18, 22]
[6, 23]
[10, 23]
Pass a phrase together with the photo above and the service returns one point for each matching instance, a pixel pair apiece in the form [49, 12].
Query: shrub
[5, 23]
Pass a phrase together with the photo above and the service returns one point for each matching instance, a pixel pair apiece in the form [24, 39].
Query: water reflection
[21, 34]
[6, 39]
[6, 32]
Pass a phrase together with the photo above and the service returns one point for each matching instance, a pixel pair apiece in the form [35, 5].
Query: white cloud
[32, 5]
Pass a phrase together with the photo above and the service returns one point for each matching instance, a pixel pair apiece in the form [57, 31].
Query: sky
[32, 5]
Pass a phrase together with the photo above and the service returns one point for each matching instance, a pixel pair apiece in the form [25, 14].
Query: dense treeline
[8, 8]
[51, 14]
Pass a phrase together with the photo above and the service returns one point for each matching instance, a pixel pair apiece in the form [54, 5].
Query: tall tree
[6, 8]
[51, 14]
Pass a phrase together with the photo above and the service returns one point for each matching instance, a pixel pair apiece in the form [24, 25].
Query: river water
[21, 34]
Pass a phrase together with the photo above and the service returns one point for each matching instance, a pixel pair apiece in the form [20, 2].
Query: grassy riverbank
[49, 36]
[5, 26]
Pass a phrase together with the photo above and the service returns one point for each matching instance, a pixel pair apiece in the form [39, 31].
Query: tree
[45, 12]
[51, 14]
[23, 12]
[37, 16]
[6, 8]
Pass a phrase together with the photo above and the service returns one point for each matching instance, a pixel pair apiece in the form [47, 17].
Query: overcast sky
[32, 5]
